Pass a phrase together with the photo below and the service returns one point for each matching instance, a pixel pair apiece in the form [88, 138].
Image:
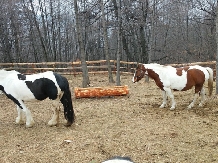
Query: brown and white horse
[168, 78]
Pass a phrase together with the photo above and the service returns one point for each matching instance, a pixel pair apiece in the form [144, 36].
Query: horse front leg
[170, 94]
[55, 118]
[163, 105]
[20, 117]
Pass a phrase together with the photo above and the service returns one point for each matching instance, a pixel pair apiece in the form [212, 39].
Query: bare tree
[119, 36]
[217, 48]
[85, 75]
[142, 29]
[106, 48]
[5, 41]
[45, 49]
[169, 31]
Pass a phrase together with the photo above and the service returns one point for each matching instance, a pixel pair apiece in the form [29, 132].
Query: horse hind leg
[193, 102]
[202, 93]
[29, 118]
[203, 97]
[21, 117]
[55, 118]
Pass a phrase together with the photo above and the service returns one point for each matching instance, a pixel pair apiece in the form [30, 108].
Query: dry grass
[130, 125]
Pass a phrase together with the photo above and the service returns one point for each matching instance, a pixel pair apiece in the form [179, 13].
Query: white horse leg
[193, 102]
[164, 99]
[170, 94]
[29, 118]
[55, 118]
[21, 117]
[203, 97]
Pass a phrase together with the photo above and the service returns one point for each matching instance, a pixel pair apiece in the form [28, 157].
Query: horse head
[139, 73]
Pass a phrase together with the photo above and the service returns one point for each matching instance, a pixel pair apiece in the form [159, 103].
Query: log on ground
[101, 91]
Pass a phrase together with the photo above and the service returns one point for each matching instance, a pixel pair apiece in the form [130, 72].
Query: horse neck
[152, 72]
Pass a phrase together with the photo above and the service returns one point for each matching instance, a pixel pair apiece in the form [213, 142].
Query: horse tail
[210, 80]
[66, 100]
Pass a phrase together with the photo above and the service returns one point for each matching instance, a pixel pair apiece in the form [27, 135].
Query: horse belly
[178, 84]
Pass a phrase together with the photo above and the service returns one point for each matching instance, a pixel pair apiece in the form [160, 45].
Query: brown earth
[131, 125]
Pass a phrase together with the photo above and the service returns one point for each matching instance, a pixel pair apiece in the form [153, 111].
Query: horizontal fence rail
[94, 67]
[99, 66]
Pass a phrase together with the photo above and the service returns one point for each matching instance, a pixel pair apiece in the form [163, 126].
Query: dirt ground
[131, 125]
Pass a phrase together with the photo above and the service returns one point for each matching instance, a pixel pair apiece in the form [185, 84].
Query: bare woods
[168, 31]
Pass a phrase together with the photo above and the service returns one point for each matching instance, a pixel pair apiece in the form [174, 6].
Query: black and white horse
[37, 87]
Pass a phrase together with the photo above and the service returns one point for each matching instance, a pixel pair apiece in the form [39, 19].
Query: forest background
[163, 31]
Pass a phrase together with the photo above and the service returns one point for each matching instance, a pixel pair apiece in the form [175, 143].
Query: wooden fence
[95, 67]
[74, 68]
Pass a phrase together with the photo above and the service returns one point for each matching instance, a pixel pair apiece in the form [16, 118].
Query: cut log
[101, 91]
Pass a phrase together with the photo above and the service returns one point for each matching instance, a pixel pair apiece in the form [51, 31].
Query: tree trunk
[15, 29]
[142, 30]
[123, 38]
[118, 40]
[110, 76]
[45, 53]
[143, 45]
[217, 48]
[85, 74]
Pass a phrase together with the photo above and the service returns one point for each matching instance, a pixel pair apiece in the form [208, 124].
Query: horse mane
[156, 66]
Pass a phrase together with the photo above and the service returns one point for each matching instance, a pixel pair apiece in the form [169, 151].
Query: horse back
[42, 85]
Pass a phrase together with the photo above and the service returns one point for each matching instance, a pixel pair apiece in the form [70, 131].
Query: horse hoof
[29, 125]
[162, 106]
[172, 108]
[68, 124]
[200, 105]
[19, 122]
[189, 107]
[52, 124]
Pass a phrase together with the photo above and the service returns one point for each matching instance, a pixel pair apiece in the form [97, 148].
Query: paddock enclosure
[131, 125]
[94, 67]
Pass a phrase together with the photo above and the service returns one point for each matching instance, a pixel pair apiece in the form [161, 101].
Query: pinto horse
[37, 87]
[168, 78]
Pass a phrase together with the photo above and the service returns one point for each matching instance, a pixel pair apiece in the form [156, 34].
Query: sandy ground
[131, 125]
